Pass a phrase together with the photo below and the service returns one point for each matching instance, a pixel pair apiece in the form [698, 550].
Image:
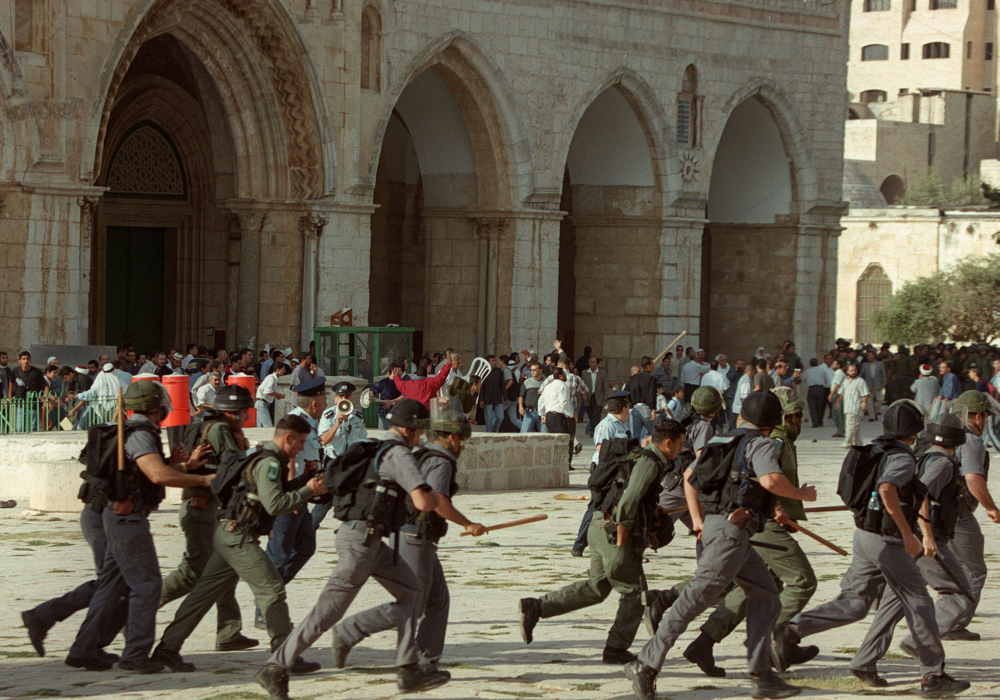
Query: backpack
[716, 467]
[194, 434]
[230, 472]
[610, 476]
[859, 480]
[352, 478]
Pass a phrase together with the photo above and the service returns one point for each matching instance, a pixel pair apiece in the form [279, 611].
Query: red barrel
[178, 389]
[249, 383]
[143, 378]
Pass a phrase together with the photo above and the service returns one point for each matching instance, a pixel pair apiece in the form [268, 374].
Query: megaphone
[345, 407]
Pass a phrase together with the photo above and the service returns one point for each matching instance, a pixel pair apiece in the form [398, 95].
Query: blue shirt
[950, 387]
[264, 367]
[349, 432]
[608, 429]
[311, 451]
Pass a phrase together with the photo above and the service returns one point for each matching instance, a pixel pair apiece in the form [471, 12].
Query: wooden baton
[673, 344]
[826, 509]
[568, 497]
[809, 533]
[513, 523]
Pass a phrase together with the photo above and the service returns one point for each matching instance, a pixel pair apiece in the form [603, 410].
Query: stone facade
[493, 174]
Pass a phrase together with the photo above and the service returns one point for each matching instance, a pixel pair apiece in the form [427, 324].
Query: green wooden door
[133, 299]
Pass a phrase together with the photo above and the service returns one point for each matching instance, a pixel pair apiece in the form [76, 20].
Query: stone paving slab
[44, 555]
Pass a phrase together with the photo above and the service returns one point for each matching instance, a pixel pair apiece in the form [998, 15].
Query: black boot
[411, 679]
[274, 680]
[531, 612]
[699, 652]
[943, 686]
[800, 655]
[239, 644]
[782, 640]
[36, 630]
[142, 666]
[617, 656]
[770, 685]
[172, 660]
[643, 680]
[301, 666]
[98, 663]
[656, 603]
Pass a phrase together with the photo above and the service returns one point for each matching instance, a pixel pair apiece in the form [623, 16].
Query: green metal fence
[41, 413]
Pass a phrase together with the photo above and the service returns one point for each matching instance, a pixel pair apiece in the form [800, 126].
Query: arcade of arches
[235, 172]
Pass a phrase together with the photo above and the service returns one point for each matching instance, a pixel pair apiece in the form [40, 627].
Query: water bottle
[872, 521]
[873, 502]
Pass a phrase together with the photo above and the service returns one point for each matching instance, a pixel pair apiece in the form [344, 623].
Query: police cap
[311, 387]
[409, 413]
[623, 395]
[344, 388]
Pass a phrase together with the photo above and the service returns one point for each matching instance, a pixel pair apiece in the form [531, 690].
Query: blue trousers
[511, 412]
[293, 544]
[641, 421]
[581, 536]
[493, 414]
[531, 422]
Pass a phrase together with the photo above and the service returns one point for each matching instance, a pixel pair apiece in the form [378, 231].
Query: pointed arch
[794, 136]
[486, 99]
[265, 77]
[19, 138]
[649, 110]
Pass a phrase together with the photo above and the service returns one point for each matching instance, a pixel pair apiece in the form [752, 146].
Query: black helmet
[763, 409]
[232, 398]
[947, 431]
[409, 413]
[903, 418]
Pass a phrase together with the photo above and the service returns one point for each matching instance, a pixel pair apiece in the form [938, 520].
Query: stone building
[495, 174]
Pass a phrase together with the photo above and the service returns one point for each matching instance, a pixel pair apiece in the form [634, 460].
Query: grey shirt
[141, 442]
[972, 458]
[925, 390]
[763, 456]
[438, 468]
[530, 391]
[939, 470]
[398, 464]
[899, 468]
[699, 433]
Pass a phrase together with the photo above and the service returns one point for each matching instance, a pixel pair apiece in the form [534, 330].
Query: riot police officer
[338, 431]
[731, 516]
[130, 562]
[418, 543]
[263, 490]
[222, 430]
[884, 551]
[368, 516]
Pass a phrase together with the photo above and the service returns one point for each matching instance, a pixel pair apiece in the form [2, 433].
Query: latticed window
[687, 109]
[874, 290]
[875, 52]
[146, 164]
[877, 5]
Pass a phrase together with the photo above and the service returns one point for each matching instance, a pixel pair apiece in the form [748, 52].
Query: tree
[929, 190]
[962, 304]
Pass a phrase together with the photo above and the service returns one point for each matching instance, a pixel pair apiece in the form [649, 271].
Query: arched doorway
[255, 155]
[441, 242]
[749, 250]
[609, 281]
[893, 188]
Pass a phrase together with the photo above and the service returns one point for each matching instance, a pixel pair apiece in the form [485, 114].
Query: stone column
[489, 231]
[248, 290]
[311, 227]
[816, 279]
[534, 285]
[88, 210]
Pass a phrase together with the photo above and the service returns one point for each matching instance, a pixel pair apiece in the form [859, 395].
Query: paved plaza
[44, 555]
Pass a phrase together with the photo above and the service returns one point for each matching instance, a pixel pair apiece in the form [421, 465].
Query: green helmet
[973, 401]
[145, 395]
[791, 402]
[447, 417]
[706, 400]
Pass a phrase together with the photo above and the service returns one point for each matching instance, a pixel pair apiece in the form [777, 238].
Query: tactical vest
[144, 492]
[429, 524]
[212, 461]
[244, 507]
[945, 508]
[910, 496]
[741, 488]
[379, 502]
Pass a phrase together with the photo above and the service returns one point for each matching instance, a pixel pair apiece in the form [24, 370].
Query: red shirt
[423, 390]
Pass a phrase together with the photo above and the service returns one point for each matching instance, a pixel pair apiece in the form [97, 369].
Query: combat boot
[770, 685]
[274, 680]
[699, 652]
[800, 655]
[961, 634]
[37, 630]
[656, 603]
[340, 649]
[942, 686]
[782, 641]
[643, 680]
[531, 612]
[411, 679]
[172, 660]
[617, 656]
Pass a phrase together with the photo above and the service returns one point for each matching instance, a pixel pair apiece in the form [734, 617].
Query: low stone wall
[43, 468]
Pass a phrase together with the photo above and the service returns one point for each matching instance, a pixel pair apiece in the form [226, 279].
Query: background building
[494, 174]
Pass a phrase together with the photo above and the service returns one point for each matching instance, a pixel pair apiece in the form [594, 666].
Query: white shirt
[716, 379]
[186, 361]
[268, 386]
[693, 371]
[204, 395]
[743, 388]
[556, 398]
[838, 378]
[853, 391]
[590, 376]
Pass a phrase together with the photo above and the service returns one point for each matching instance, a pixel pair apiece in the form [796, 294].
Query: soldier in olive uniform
[418, 543]
[130, 563]
[616, 542]
[222, 430]
[266, 490]
[791, 567]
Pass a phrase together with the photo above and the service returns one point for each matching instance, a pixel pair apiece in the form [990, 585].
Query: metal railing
[55, 412]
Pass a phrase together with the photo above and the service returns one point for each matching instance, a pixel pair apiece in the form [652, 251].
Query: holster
[741, 517]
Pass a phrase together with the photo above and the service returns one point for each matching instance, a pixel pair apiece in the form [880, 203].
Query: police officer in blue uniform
[338, 431]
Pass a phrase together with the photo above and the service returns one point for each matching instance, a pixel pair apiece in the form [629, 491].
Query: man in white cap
[52, 361]
[925, 389]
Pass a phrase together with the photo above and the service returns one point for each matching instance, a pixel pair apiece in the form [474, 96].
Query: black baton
[954, 579]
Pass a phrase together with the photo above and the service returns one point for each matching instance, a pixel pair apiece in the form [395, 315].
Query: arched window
[146, 164]
[869, 96]
[893, 188]
[937, 49]
[371, 49]
[28, 25]
[877, 5]
[875, 52]
[874, 289]
[688, 110]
